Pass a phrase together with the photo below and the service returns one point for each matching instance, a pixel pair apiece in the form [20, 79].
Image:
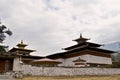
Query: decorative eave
[19, 49]
[84, 39]
[91, 48]
[64, 54]
[56, 55]
[84, 43]
[21, 45]
[31, 57]
[102, 50]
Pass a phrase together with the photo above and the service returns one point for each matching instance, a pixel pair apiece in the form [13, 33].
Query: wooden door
[6, 65]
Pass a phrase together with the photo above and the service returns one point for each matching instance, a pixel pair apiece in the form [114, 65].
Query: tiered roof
[23, 52]
[82, 47]
[21, 49]
[81, 39]
[82, 42]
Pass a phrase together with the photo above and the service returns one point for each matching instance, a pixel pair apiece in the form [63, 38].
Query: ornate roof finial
[21, 45]
[21, 41]
[81, 39]
[80, 35]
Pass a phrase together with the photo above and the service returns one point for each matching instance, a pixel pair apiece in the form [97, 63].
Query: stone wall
[61, 71]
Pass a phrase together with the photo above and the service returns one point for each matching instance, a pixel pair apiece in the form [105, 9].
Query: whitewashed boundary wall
[61, 71]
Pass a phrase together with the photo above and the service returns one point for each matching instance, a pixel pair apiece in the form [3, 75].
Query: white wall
[98, 59]
[17, 66]
[61, 71]
[89, 59]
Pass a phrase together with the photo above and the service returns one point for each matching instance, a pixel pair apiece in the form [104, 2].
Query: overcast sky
[49, 25]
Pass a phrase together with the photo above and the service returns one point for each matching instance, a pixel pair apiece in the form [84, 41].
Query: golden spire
[21, 45]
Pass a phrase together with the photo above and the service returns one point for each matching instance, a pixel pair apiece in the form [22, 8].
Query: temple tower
[21, 50]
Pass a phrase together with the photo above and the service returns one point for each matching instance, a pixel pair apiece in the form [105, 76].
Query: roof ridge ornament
[81, 39]
[80, 35]
[21, 45]
[21, 41]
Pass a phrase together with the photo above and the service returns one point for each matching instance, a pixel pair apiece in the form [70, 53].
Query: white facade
[98, 59]
[17, 66]
[68, 62]
[89, 59]
[60, 71]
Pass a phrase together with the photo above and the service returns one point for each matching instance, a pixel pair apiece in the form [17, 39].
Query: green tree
[4, 32]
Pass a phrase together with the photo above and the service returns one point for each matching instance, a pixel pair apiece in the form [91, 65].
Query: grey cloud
[110, 14]
[83, 2]
[48, 31]
[49, 5]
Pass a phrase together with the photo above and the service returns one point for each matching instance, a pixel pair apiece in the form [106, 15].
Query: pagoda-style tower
[82, 42]
[81, 39]
[90, 53]
[21, 50]
[21, 45]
